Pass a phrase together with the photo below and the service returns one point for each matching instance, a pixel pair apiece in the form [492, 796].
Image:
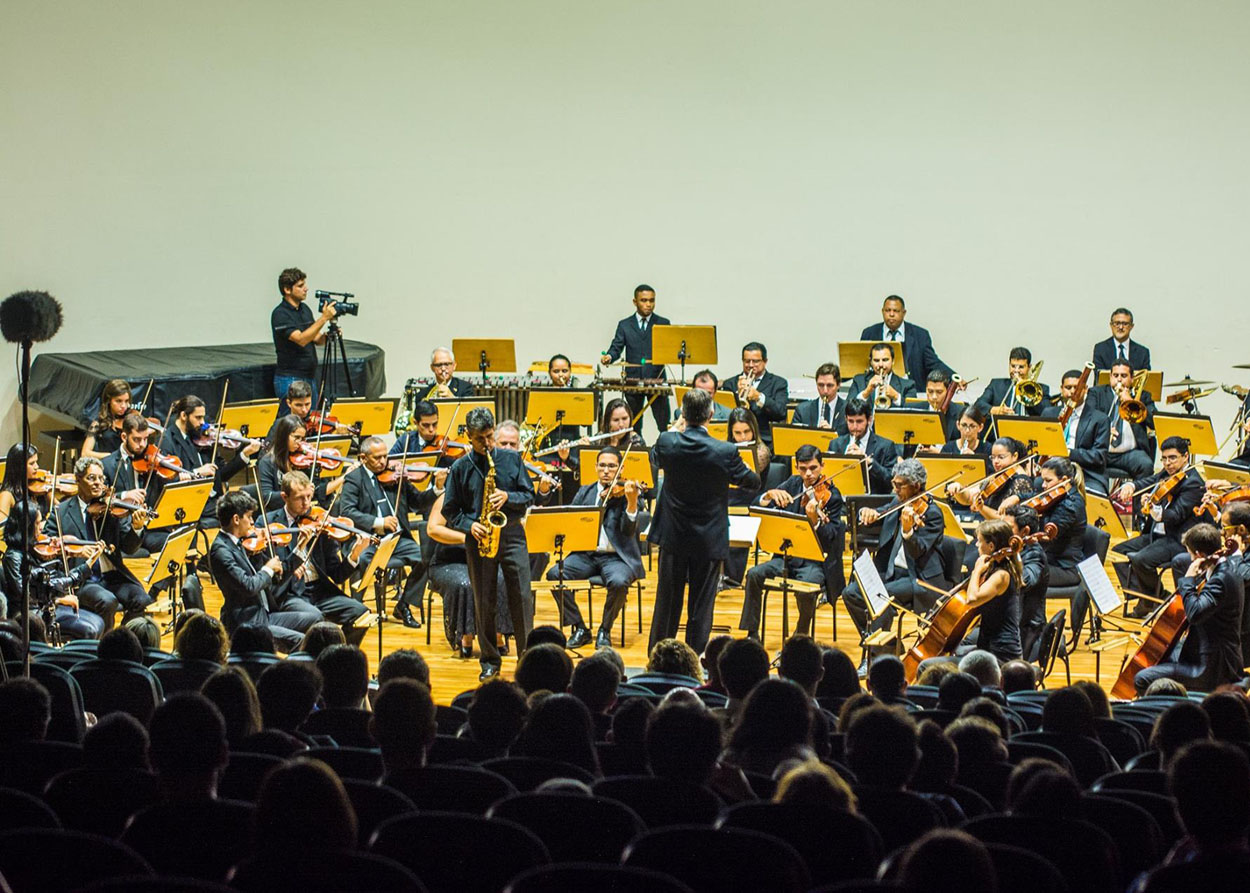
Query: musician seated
[880, 454]
[994, 589]
[618, 557]
[706, 380]
[289, 450]
[936, 387]
[1009, 479]
[742, 428]
[795, 495]
[1000, 398]
[968, 442]
[879, 384]
[1235, 522]
[108, 585]
[909, 553]
[245, 586]
[129, 485]
[186, 421]
[1034, 578]
[1086, 431]
[616, 421]
[918, 353]
[1213, 599]
[298, 403]
[21, 470]
[422, 433]
[828, 409]
[446, 385]
[1131, 448]
[58, 604]
[1119, 347]
[560, 371]
[1166, 517]
[764, 393]
[313, 570]
[104, 432]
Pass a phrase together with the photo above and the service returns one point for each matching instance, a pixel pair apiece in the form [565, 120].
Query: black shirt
[293, 359]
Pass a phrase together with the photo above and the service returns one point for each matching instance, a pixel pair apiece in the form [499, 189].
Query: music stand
[376, 571]
[857, 355]
[1194, 428]
[447, 410]
[1103, 597]
[726, 399]
[181, 502]
[950, 524]
[871, 586]
[1224, 471]
[743, 528]
[790, 536]
[788, 438]
[749, 457]
[838, 467]
[1102, 514]
[559, 530]
[560, 406]
[1154, 380]
[170, 562]
[908, 426]
[1043, 437]
[637, 467]
[967, 470]
[373, 416]
[494, 354]
[682, 345]
[251, 419]
[718, 430]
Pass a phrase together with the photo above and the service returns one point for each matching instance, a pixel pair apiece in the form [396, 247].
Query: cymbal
[1188, 382]
[1242, 366]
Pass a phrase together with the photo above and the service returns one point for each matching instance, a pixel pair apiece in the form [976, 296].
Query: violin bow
[929, 492]
[221, 414]
[264, 515]
[151, 471]
[60, 533]
[143, 405]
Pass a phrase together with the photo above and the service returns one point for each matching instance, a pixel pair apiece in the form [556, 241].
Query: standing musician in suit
[371, 507]
[244, 588]
[910, 551]
[1131, 448]
[880, 379]
[827, 410]
[296, 334]
[1167, 522]
[187, 421]
[1119, 347]
[691, 524]
[918, 354]
[707, 380]
[109, 586]
[826, 520]
[633, 337]
[742, 428]
[967, 440]
[617, 558]
[462, 505]
[446, 385]
[759, 390]
[1213, 597]
[935, 388]
[880, 454]
[999, 397]
[1034, 578]
[1086, 432]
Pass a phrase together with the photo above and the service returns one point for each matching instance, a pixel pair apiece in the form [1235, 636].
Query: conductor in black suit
[880, 454]
[759, 390]
[633, 337]
[691, 523]
[1119, 346]
[880, 379]
[919, 357]
[827, 409]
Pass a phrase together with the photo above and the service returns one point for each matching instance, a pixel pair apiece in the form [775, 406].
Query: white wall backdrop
[491, 169]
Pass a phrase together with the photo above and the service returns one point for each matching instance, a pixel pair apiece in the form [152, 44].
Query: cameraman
[53, 583]
[296, 333]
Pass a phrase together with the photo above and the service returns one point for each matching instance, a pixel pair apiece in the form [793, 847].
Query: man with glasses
[1119, 346]
[764, 393]
[443, 365]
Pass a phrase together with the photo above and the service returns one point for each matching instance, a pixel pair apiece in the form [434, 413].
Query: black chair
[1152, 781]
[19, 809]
[68, 720]
[163, 884]
[360, 763]
[715, 860]
[52, 861]
[1084, 854]
[100, 800]
[1162, 808]
[183, 675]
[1094, 541]
[244, 774]
[527, 773]
[988, 780]
[661, 802]
[1124, 741]
[1018, 751]
[899, 816]
[450, 749]
[449, 719]
[712, 698]
[29, 765]
[374, 804]
[1089, 758]
[1030, 713]
[1051, 647]
[923, 696]
[328, 873]
[863, 536]
[66, 658]
[835, 846]
[952, 551]
[577, 877]
[1136, 834]
[462, 789]
[1022, 871]
[152, 656]
[202, 839]
[345, 726]
[460, 853]
[110, 686]
[942, 717]
[573, 827]
[1141, 719]
[253, 662]
[663, 683]
[91, 645]
[617, 760]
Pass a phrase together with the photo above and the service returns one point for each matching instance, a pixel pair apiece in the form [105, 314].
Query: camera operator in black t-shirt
[296, 333]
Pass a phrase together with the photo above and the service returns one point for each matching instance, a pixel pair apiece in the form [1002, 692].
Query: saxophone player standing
[691, 524]
[488, 492]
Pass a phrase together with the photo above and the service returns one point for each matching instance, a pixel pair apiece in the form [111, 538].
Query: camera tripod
[333, 356]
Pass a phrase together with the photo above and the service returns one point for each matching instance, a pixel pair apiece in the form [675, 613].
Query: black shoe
[504, 648]
[490, 671]
[580, 637]
[603, 639]
[862, 670]
[404, 615]
[752, 634]
[464, 652]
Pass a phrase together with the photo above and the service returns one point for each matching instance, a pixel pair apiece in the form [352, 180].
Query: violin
[308, 456]
[539, 470]
[1049, 498]
[318, 423]
[339, 529]
[1212, 502]
[450, 448]
[168, 467]
[261, 538]
[995, 483]
[1163, 489]
[43, 482]
[417, 471]
[227, 437]
[819, 491]
[48, 547]
[617, 490]
[119, 508]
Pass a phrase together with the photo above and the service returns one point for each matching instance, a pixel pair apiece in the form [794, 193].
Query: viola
[318, 422]
[43, 482]
[47, 547]
[339, 529]
[1049, 498]
[168, 467]
[1163, 490]
[261, 538]
[1213, 502]
[308, 456]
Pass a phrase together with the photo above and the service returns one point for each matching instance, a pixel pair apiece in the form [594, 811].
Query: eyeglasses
[1121, 323]
[441, 365]
[94, 478]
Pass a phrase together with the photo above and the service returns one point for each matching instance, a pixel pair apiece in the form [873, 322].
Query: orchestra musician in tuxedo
[999, 396]
[967, 440]
[617, 559]
[245, 588]
[1120, 347]
[1034, 578]
[707, 380]
[1086, 432]
[935, 388]
[186, 421]
[880, 454]
[909, 551]
[764, 393]
[691, 523]
[919, 357]
[743, 429]
[1235, 522]
[110, 585]
[880, 379]
[1213, 598]
[793, 496]
[129, 484]
[828, 409]
[1131, 449]
[462, 507]
[443, 367]
[421, 437]
[633, 338]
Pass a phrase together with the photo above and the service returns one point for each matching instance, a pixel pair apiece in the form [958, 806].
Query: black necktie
[827, 413]
[1123, 353]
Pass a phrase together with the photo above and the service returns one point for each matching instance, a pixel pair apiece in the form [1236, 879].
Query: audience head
[1211, 783]
[545, 667]
[497, 714]
[11, 648]
[743, 665]
[27, 709]
[851, 706]
[1229, 716]
[145, 630]
[233, 693]
[594, 682]
[320, 636]
[881, 747]
[934, 673]
[801, 661]
[629, 723]
[956, 690]
[344, 676]
[988, 709]
[547, 635]
[559, 727]
[403, 723]
[812, 783]
[203, 637]
[181, 620]
[303, 811]
[711, 660]
[189, 738]
[1018, 675]
[776, 715]
[840, 678]
[948, 861]
[983, 667]
[1097, 697]
[674, 657]
[252, 640]
[1040, 788]
[116, 741]
[1181, 723]
[939, 761]
[1165, 688]
[683, 741]
[404, 663]
[978, 741]
[288, 692]
[887, 678]
[120, 644]
[1067, 711]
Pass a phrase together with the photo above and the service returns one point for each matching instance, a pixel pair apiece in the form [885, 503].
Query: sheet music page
[870, 583]
[1099, 584]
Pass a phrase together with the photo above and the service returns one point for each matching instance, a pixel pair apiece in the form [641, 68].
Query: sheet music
[1099, 584]
[870, 583]
[742, 530]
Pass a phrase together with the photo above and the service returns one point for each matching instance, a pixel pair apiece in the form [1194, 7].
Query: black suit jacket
[1178, 511]
[636, 345]
[1103, 396]
[1093, 431]
[884, 457]
[923, 549]
[461, 388]
[1215, 616]
[905, 387]
[827, 532]
[621, 532]
[807, 414]
[997, 389]
[919, 357]
[951, 448]
[1105, 354]
[324, 556]
[127, 478]
[776, 393]
[117, 533]
[361, 497]
[462, 499]
[243, 587]
[1239, 566]
[175, 443]
[1068, 515]
[692, 511]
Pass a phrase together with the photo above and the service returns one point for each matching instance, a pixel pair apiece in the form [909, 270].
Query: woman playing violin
[1034, 576]
[994, 586]
[1009, 479]
[22, 463]
[286, 441]
[105, 432]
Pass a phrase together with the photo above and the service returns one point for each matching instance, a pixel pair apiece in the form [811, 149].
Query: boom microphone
[29, 316]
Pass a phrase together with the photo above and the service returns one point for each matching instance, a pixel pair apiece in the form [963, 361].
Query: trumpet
[1133, 410]
[880, 399]
[1027, 390]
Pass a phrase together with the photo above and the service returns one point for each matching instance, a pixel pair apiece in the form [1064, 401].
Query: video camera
[341, 307]
[49, 580]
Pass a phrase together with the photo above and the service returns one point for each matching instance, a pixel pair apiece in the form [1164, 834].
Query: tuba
[488, 546]
[1133, 410]
[1028, 391]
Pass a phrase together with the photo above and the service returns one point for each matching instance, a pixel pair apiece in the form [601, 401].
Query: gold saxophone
[488, 546]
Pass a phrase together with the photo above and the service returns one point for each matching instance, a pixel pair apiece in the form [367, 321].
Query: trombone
[1133, 410]
[1027, 391]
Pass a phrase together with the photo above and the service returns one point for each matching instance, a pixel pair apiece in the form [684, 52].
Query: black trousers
[796, 569]
[1147, 555]
[680, 571]
[617, 578]
[660, 411]
[113, 592]
[1132, 464]
[514, 560]
[407, 554]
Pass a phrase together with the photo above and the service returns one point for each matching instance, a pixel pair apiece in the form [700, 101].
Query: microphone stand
[24, 390]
